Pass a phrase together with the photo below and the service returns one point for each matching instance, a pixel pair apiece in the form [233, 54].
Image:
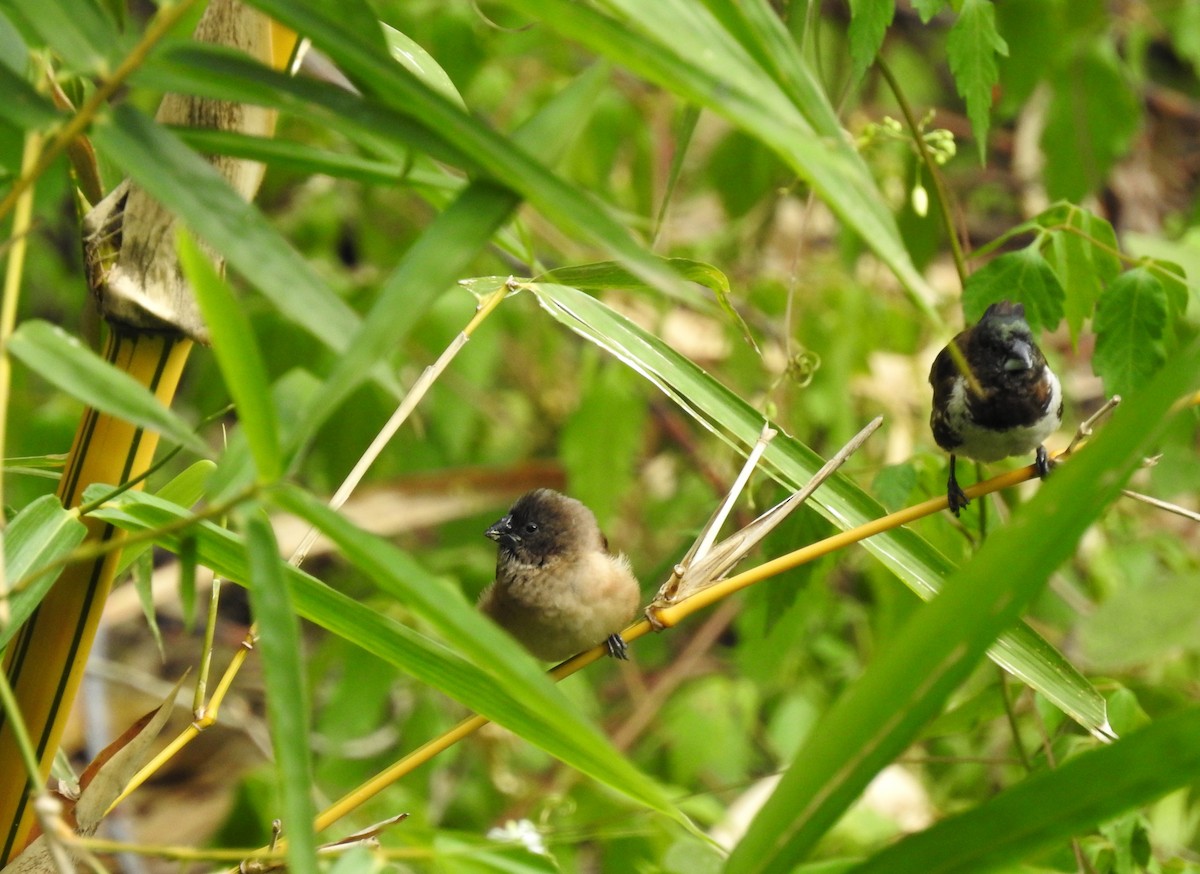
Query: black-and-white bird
[1005, 402]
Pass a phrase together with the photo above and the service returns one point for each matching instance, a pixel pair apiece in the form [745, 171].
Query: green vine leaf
[1023, 277]
[971, 48]
[1131, 319]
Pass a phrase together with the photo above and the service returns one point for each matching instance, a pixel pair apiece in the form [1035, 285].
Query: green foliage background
[751, 139]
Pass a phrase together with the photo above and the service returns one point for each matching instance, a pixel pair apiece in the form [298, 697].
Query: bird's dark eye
[530, 527]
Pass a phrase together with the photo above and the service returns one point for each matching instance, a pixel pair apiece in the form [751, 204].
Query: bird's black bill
[617, 647]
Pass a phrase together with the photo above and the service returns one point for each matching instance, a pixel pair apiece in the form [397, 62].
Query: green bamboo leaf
[609, 274]
[445, 249]
[406, 107]
[238, 357]
[42, 533]
[185, 489]
[63, 361]
[921, 567]
[79, 31]
[22, 105]
[287, 697]
[1131, 319]
[300, 158]
[421, 64]
[1054, 806]
[909, 681]
[503, 685]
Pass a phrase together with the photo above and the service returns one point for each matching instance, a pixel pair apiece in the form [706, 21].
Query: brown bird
[558, 589]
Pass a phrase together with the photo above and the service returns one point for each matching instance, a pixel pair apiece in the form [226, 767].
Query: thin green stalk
[13, 272]
[9, 703]
[960, 260]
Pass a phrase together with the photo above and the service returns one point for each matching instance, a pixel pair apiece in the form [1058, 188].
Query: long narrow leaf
[1054, 806]
[913, 675]
[62, 360]
[921, 567]
[287, 700]
[238, 357]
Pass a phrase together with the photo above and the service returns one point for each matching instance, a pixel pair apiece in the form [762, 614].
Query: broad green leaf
[42, 533]
[910, 679]
[287, 697]
[238, 357]
[921, 567]
[80, 32]
[504, 685]
[1024, 277]
[1085, 259]
[1174, 282]
[1131, 318]
[869, 21]
[971, 48]
[186, 183]
[63, 361]
[1091, 120]
[1055, 806]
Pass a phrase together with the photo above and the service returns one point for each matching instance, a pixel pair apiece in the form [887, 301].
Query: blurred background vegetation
[1092, 104]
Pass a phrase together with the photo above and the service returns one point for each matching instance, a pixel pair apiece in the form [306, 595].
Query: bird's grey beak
[1020, 357]
[501, 529]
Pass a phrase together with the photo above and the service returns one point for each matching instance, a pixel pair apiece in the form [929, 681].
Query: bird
[1006, 402]
[558, 590]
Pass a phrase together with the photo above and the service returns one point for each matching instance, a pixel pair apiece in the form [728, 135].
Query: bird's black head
[543, 524]
[1001, 350]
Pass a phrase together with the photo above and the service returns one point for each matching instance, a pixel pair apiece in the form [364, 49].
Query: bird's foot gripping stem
[617, 647]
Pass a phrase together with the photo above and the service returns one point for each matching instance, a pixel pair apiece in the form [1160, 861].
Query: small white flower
[521, 831]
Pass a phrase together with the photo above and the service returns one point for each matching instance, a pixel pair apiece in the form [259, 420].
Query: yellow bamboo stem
[45, 661]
